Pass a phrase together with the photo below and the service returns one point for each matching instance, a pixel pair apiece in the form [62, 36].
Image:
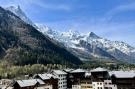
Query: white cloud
[54, 6]
[119, 9]
[43, 4]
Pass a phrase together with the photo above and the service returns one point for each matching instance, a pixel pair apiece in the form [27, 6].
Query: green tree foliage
[11, 71]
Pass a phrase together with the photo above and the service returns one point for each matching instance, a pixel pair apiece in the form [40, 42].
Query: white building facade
[62, 78]
[98, 85]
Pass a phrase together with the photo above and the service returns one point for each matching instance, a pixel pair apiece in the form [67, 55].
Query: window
[88, 82]
[100, 83]
[110, 83]
[89, 86]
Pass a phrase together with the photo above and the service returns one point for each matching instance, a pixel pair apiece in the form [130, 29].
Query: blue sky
[112, 19]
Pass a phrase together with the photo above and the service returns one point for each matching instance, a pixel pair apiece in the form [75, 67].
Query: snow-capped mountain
[18, 11]
[85, 46]
[91, 45]
[74, 37]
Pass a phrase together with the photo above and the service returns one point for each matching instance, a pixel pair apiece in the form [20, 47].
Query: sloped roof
[68, 70]
[99, 69]
[78, 71]
[51, 75]
[59, 72]
[122, 74]
[47, 76]
[43, 76]
[30, 82]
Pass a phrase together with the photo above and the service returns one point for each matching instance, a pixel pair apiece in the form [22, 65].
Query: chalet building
[86, 83]
[81, 79]
[49, 79]
[123, 79]
[101, 79]
[31, 84]
[62, 78]
[75, 78]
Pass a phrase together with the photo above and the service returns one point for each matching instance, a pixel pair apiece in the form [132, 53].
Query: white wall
[98, 85]
[62, 81]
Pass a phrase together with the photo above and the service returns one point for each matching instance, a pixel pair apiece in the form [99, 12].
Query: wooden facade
[123, 83]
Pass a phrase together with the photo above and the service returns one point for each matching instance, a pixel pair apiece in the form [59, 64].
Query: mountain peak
[15, 9]
[19, 7]
[19, 12]
[93, 35]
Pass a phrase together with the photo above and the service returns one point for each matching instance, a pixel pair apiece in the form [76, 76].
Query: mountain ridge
[21, 43]
[117, 49]
[73, 40]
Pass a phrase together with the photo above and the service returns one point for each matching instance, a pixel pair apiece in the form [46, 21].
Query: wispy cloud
[53, 6]
[23, 3]
[40, 3]
[119, 9]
